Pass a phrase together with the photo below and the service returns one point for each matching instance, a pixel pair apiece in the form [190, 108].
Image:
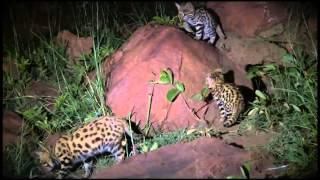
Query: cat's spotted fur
[105, 134]
[201, 21]
[227, 96]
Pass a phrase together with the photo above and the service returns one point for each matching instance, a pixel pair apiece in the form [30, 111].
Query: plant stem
[192, 111]
[150, 94]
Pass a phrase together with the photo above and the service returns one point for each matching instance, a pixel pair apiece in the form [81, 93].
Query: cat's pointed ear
[190, 6]
[177, 5]
[217, 70]
[218, 73]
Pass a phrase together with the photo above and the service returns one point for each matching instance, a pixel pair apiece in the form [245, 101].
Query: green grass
[289, 110]
[17, 158]
[39, 58]
[157, 141]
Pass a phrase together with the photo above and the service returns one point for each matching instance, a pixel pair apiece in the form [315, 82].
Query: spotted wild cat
[105, 134]
[199, 20]
[227, 96]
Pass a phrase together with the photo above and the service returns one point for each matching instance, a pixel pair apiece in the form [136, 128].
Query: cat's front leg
[187, 27]
[199, 30]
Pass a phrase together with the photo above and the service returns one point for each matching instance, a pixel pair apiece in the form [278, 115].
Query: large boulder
[247, 19]
[241, 52]
[12, 128]
[151, 49]
[76, 46]
[43, 91]
[201, 158]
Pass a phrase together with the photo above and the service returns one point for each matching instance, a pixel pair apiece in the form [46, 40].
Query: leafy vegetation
[79, 99]
[245, 172]
[166, 77]
[290, 110]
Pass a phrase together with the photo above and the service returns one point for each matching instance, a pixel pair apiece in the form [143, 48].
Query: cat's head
[214, 78]
[184, 9]
[46, 160]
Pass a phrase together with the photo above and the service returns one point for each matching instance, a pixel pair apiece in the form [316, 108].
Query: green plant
[162, 139]
[147, 147]
[290, 111]
[166, 77]
[166, 20]
[207, 131]
[40, 58]
[17, 160]
[200, 96]
[245, 172]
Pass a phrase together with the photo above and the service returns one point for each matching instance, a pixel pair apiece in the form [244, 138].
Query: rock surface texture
[201, 158]
[151, 49]
[247, 19]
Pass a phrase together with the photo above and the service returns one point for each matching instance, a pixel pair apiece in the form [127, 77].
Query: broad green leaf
[260, 94]
[270, 67]
[164, 78]
[205, 92]
[197, 97]
[170, 75]
[154, 146]
[180, 86]
[172, 94]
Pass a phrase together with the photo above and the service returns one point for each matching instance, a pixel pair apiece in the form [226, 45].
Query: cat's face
[184, 9]
[46, 161]
[214, 78]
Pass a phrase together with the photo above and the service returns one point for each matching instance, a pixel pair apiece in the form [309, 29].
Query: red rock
[149, 50]
[12, 127]
[76, 46]
[201, 158]
[247, 19]
[241, 52]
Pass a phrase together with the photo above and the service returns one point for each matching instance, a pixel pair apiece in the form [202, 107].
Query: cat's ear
[218, 73]
[189, 6]
[177, 5]
[217, 70]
